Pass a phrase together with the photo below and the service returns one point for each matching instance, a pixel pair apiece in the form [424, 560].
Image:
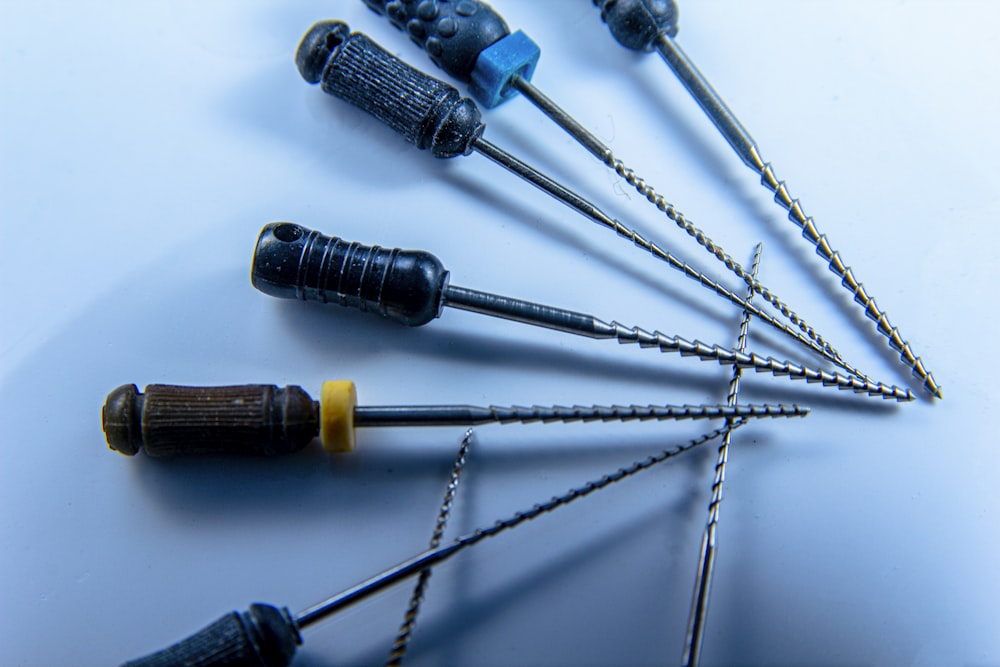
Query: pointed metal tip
[930, 384]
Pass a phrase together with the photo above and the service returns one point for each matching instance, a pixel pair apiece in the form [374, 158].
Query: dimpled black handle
[453, 33]
[427, 112]
[170, 420]
[293, 262]
[636, 24]
[264, 636]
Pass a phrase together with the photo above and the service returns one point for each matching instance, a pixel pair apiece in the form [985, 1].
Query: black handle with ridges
[636, 24]
[251, 419]
[427, 112]
[293, 262]
[264, 636]
[452, 33]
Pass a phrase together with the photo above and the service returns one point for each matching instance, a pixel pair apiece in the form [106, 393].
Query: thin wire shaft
[437, 555]
[591, 211]
[746, 148]
[402, 641]
[602, 152]
[468, 415]
[706, 557]
[582, 324]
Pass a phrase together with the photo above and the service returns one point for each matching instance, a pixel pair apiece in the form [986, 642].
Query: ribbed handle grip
[427, 112]
[264, 636]
[293, 262]
[168, 420]
[452, 33]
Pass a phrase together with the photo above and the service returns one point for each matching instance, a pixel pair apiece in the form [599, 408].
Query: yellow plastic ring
[337, 401]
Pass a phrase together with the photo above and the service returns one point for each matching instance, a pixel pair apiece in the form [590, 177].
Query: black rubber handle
[293, 262]
[635, 24]
[168, 420]
[264, 636]
[427, 112]
[452, 33]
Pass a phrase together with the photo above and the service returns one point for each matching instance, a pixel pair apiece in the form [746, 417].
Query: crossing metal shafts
[645, 25]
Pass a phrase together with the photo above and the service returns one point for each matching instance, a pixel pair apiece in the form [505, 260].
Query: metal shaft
[470, 415]
[558, 115]
[595, 214]
[602, 152]
[436, 555]
[746, 148]
[405, 633]
[706, 558]
[587, 325]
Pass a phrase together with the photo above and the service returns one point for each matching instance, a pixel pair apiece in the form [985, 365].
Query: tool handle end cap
[316, 47]
[121, 421]
[636, 24]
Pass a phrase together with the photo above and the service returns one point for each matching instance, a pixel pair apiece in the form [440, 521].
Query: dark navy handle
[427, 112]
[469, 40]
[452, 33]
[264, 636]
[636, 24]
[293, 262]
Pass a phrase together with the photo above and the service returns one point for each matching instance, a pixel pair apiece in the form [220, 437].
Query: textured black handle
[293, 262]
[264, 636]
[636, 24]
[427, 112]
[168, 420]
[452, 33]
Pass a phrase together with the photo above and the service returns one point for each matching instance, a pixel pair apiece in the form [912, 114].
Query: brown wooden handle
[169, 420]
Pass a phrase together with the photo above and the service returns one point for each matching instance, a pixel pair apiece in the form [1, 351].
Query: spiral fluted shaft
[431, 557]
[720, 289]
[471, 415]
[582, 324]
[761, 364]
[847, 278]
[602, 152]
[592, 486]
[623, 413]
[671, 211]
[706, 557]
[405, 633]
[744, 145]
[733, 131]
[732, 399]
[593, 213]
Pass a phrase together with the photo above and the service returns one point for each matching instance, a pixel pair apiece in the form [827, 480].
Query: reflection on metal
[706, 558]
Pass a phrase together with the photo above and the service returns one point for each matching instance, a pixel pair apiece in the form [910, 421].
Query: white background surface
[145, 144]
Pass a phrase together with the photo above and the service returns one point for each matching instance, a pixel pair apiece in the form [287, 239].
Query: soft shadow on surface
[781, 231]
[306, 321]
[275, 114]
[466, 615]
[317, 324]
[311, 481]
[666, 280]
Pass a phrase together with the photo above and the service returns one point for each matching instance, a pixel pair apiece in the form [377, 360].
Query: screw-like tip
[316, 47]
[933, 387]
